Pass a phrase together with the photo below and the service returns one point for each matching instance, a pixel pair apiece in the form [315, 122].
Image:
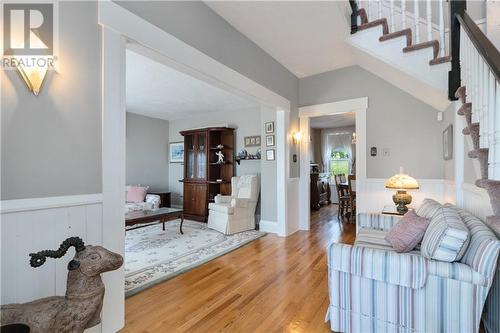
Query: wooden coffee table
[160, 215]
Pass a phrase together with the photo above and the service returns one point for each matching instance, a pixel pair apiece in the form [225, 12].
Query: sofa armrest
[222, 198]
[457, 271]
[240, 202]
[153, 199]
[403, 269]
[376, 221]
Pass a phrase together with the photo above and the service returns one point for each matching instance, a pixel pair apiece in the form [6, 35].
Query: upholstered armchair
[372, 288]
[236, 213]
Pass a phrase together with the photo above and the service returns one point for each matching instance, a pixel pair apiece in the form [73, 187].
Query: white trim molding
[24, 205]
[268, 226]
[357, 105]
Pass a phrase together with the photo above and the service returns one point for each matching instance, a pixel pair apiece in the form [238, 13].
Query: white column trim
[24, 205]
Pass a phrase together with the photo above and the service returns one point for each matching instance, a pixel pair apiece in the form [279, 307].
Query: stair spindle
[417, 22]
[484, 92]
[403, 14]
[393, 25]
[429, 20]
[491, 124]
[441, 29]
[369, 11]
[475, 70]
[496, 142]
[380, 9]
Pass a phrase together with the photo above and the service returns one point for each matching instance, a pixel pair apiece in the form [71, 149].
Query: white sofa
[374, 289]
[152, 201]
[236, 213]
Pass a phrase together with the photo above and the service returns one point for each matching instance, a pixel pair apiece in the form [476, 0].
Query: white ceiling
[156, 90]
[311, 34]
[334, 121]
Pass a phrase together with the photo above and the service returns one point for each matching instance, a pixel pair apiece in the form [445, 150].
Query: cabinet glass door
[189, 146]
[201, 155]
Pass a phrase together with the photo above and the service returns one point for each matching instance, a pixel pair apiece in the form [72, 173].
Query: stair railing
[408, 15]
[480, 74]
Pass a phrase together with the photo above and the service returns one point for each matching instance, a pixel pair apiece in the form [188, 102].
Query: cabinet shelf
[221, 164]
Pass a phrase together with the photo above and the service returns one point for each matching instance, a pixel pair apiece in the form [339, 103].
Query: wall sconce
[33, 76]
[297, 137]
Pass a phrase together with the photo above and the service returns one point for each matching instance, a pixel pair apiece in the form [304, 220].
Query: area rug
[153, 255]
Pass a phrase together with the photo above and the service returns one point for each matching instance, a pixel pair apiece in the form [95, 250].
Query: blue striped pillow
[447, 236]
[428, 208]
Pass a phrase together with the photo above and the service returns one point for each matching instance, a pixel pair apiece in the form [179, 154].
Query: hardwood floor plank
[273, 284]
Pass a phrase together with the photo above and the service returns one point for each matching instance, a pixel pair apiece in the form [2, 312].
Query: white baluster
[369, 14]
[379, 9]
[496, 166]
[403, 14]
[491, 124]
[429, 20]
[393, 25]
[474, 74]
[483, 90]
[441, 29]
[486, 108]
[417, 22]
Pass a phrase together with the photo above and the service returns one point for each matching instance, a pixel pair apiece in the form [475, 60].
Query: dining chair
[342, 195]
[351, 194]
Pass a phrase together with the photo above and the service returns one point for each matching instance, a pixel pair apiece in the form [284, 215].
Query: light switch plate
[386, 152]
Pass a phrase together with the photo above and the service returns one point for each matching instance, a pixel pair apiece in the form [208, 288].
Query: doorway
[321, 112]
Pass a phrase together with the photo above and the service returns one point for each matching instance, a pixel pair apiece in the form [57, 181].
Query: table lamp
[401, 182]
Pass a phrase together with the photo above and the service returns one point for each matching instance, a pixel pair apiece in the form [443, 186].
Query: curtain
[335, 141]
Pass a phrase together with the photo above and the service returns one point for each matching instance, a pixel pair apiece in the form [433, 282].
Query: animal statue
[81, 307]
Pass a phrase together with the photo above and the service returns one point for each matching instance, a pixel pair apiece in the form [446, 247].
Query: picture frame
[176, 152]
[269, 126]
[270, 154]
[448, 143]
[252, 141]
[269, 140]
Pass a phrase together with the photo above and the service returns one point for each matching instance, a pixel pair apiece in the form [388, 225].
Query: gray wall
[395, 120]
[51, 143]
[147, 151]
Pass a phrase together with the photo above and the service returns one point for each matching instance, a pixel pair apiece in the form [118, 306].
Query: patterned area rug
[153, 255]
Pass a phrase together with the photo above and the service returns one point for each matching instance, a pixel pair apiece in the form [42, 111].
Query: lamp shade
[402, 181]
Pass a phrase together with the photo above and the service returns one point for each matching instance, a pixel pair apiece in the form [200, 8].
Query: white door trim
[357, 105]
[119, 25]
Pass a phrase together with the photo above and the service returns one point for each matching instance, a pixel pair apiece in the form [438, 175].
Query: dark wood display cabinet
[204, 176]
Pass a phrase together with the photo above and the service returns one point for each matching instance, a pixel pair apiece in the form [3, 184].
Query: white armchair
[235, 213]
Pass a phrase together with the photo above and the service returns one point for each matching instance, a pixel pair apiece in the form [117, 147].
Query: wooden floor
[270, 285]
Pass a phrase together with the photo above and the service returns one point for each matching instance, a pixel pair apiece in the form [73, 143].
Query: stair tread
[440, 60]
[464, 108]
[461, 93]
[362, 15]
[374, 23]
[401, 33]
[420, 46]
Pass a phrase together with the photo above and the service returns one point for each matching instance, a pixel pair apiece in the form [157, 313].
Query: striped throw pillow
[428, 208]
[447, 236]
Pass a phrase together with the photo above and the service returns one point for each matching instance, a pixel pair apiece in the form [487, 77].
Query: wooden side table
[164, 198]
[391, 210]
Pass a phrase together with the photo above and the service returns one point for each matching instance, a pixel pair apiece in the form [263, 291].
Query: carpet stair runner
[481, 154]
[410, 47]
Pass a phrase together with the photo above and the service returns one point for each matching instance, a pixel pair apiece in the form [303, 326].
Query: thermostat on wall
[373, 151]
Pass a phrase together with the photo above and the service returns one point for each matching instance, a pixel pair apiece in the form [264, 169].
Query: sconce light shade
[33, 76]
[297, 136]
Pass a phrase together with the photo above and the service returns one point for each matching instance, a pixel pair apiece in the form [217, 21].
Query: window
[339, 162]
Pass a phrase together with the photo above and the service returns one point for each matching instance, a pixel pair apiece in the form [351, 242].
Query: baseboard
[22, 205]
[268, 226]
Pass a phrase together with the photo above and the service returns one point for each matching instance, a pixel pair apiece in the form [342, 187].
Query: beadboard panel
[374, 195]
[476, 201]
[38, 224]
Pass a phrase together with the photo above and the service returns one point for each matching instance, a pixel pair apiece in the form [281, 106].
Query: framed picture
[448, 143]
[252, 141]
[270, 127]
[269, 140]
[270, 154]
[176, 152]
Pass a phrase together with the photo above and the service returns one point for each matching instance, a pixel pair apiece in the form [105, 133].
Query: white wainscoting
[375, 196]
[476, 201]
[31, 225]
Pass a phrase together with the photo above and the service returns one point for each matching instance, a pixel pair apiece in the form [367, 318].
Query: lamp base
[401, 199]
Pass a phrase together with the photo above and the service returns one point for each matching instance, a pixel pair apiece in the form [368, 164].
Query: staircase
[404, 40]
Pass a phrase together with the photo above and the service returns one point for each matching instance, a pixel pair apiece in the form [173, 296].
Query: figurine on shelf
[243, 154]
[220, 155]
[220, 146]
[257, 154]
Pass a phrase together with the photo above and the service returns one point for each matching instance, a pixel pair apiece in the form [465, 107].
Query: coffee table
[161, 215]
